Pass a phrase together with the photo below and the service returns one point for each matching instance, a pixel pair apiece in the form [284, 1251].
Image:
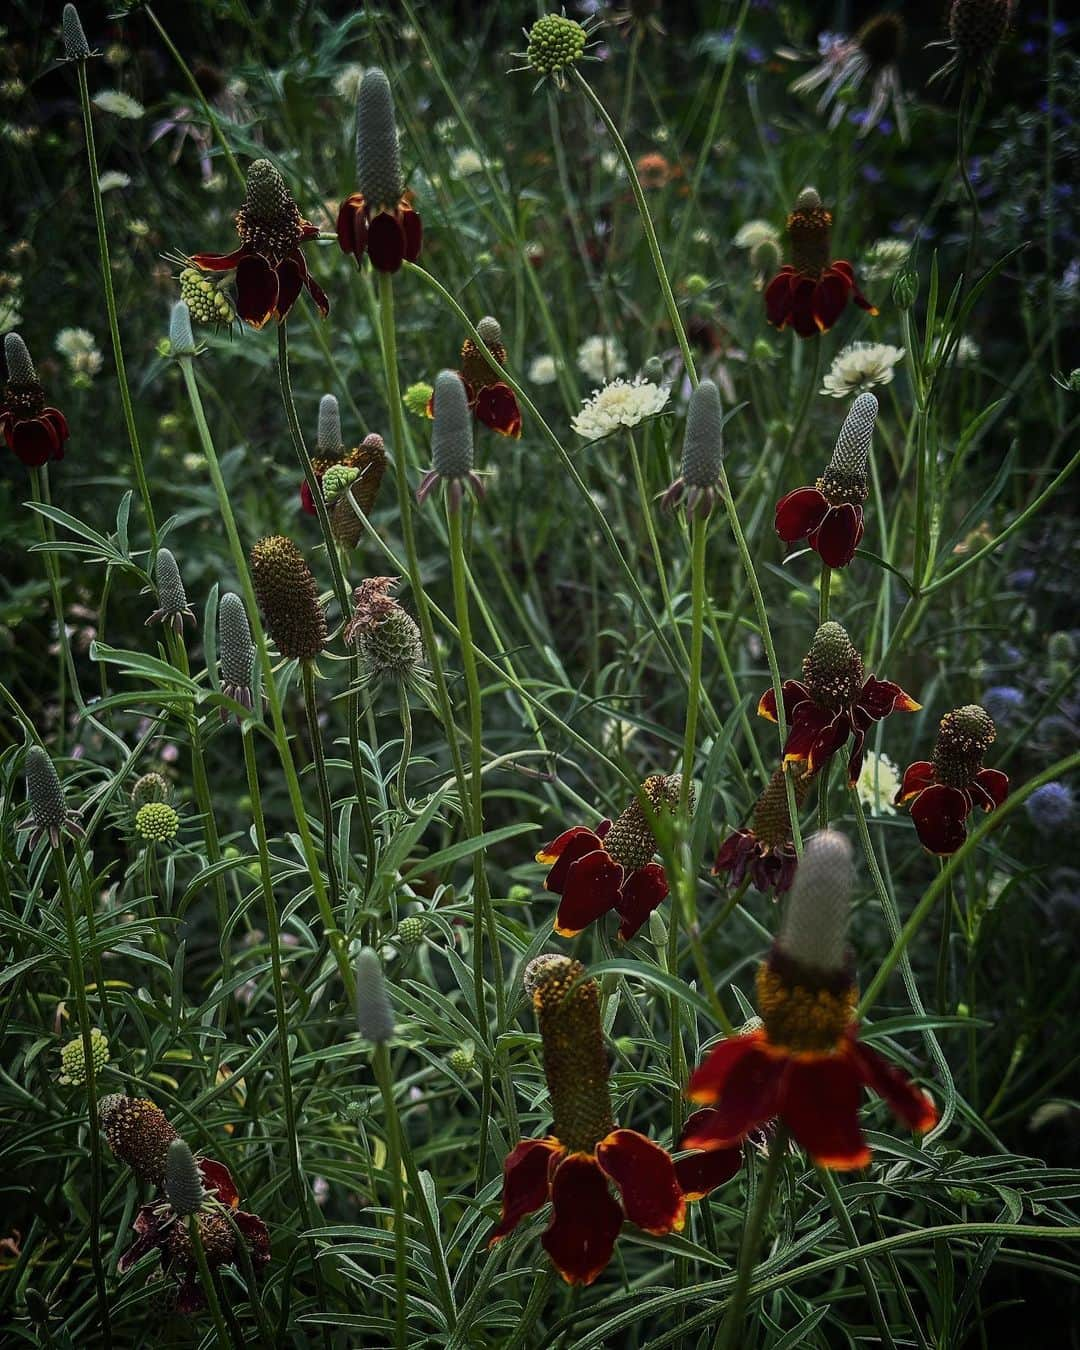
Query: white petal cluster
[861, 366]
[879, 782]
[621, 403]
[756, 232]
[601, 357]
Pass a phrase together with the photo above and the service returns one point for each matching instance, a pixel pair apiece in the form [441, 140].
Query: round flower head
[139, 1134]
[451, 442]
[49, 814]
[35, 432]
[622, 403]
[206, 303]
[236, 651]
[151, 787]
[156, 822]
[288, 598]
[1050, 807]
[702, 455]
[173, 607]
[76, 47]
[976, 31]
[73, 1058]
[555, 45]
[374, 1014]
[410, 931]
[388, 639]
[859, 367]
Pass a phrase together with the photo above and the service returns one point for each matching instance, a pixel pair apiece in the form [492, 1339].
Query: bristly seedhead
[329, 442]
[173, 607]
[575, 1057]
[181, 338]
[976, 31]
[236, 651]
[374, 1014]
[288, 598]
[20, 369]
[832, 668]
[378, 159]
[845, 478]
[813, 934]
[139, 1134]
[76, 47]
[183, 1180]
[964, 736]
[809, 228]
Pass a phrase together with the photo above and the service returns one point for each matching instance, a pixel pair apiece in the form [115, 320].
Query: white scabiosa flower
[967, 351]
[756, 232]
[79, 350]
[619, 404]
[112, 179]
[601, 358]
[118, 104]
[879, 782]
[861, 366]
[543, 370]
[347, 81]
[463, 163]
[884, 258]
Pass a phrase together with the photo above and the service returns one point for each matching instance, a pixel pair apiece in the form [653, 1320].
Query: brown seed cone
[218, 1239]
[575, 1057]
[288, 598]
[977, 27]
[139, 1134]
[771, 822]
[475, 365]
[809, 229]
[832, 668]
[369, 457]
[630, 840]
[964, 736]
[269, 220]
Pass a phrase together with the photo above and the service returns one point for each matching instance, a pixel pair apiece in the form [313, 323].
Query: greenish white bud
[653, 370]
[151, 787]
[814, 930]
[183, 1181]
[809, 199]
[76, 47]
[329, 441]
[20, 368]
[181, 338]
[703, 444]
[374, 1015]
[849, 458]
[378, 159]
[452, 430]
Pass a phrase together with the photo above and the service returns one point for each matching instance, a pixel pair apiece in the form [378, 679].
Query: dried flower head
[288, 598]
[173, 608]
[976, 31]
[388, 639]
[139, 1134]
[150, 787]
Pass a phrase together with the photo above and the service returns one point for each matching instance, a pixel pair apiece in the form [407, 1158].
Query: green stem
[941, 992]
[843, 1218]
[206, 1279]
[311, 707]
[730, 1334]
[405, 713]
[393, 1166]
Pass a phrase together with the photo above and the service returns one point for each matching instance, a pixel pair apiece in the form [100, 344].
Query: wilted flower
[388, 639]
[879, 782]
[976, 30]
[872, 54]
[35, 432]
[139, 1134]
[270, 269]
[811, 291]
[288, 598]
[835, 700]
[861, 366]
[173, 608]
[601, 358]
[766, 850]
[49, 814]
[622, 403]
[73, 1058]
[943, 791]
[805, 1065]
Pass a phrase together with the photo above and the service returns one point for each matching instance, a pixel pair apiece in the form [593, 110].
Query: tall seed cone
[369, 458]
[809, 228]
[20, 369]
[832, 669]
[76, 47]
[236, 651]
[964, 736]
[139, 1134]
[172, 598]
[288, 598]
[771, 822]
[328, 443]
[845, 478]
[183, 1180]
[813, 934]
[575, 1057]
[703, 444]
[269, 220]
[374, 1013]
[630, 840]
[378, 159]
[44, 792]
[452, 430]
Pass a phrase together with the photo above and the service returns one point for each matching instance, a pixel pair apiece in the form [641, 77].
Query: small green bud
[181, 338]
[555, 44]
[336, 479]
[151, 787]
[73, 1058]
[410, 931]
[653, 370]
[173, 607]
[695, 284]
[183, 1180]
[462, 1059]
[905, 287]
[156, 822]
[417, 397]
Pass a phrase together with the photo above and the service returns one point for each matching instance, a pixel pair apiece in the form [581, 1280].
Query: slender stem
[843, 1218]
[941, 992]
[206, 1279]
[699, 529]
[393, 1166]
[311, 707]
[110, 306]
[405, 713]
[730, 1333]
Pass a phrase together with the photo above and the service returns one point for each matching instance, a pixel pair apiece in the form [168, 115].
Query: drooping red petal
[219, 262]
[855, 758]
[147, 1229]
[190, 1298]
[806, 723]
[350, 220]
[879, 698]
[699, 1173]
[34, 441]
[322, 302]
[591, 889]
[585, 1220]
[257, 1236]
[218, 1181]
[645, 1177]
[734, 855]
[744, 1094]
[413, 227]
[291, 273]
[307, 501]
[256, 290]
[820, 1106]
[916, 777]
[994, 784]
[526, 1173]
[778, 298]
[907, 1102]
[642, 891]
[829, 739]
[571, 845]
[799, 512]
[498, 409]
[838, 535]
[792, 692]
[386, 242]
[804, 307]
[939, 814]
[830, 298]
[59, 424]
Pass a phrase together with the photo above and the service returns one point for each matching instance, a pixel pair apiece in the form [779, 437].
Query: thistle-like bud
[329, 443]
[976, 28]
[336, 479]
[207, 303]
[49, 814]
[151, 787]
[20, 369]
[765, 257]
[410, 931]
[462, 1059]
[378, 159]
[417, 397]
[809, 228]
[181, 338]
[374, 1015]
[173, 607]
[288, 598]
[845, 478]
[964, 736]
[905, 287]
[73, 1071]
[451, 441]
[631, 840]
[556, 43]
[183, 1180]
[575, 1056]
[156, 822]
[76, 47]
[814, 930]
[139, 1134]
[832, 668]
[702, 454]
[653, 370]
[236, 651]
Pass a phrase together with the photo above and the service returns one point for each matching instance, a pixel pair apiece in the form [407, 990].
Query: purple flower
[1002, 701]
[1050, 806]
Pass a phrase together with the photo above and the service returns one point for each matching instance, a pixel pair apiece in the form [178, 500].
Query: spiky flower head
[76, 47]
[410, 931]
[73, 1058]
[206, 302]
[809, 228]
[173, 607]
[631, 840]
[269, 221]
[845, 478]
[832, 668]
[555, 45]
[183, 1180]
[702, 453]
[139, 1134]
[387, 637]
[49, 814]
[976, 31]
[964, 736]
[236, 651]
[374, 1014]
[150, 787]
[451, 442]
[288, 598]
[575, 1056]
[328, 442]
[378, 159]
[156, 822]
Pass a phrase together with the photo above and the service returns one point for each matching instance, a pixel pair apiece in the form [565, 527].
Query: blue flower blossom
[1050, 806]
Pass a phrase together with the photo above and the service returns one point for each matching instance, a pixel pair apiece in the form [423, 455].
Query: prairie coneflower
[489, 396]
[575, 1166]
[35, 432]
[49, 814]
[173, 608]
[805, 1065]
[288, 598]
[942, 792]
[378, 220]
[270, 269]
[451, 442]
[702, 454]
[811, 291]
[766, 850]
[366, 464]
[611, 867]
[829, 516]
[236, 652]
[834, 700]
[847, 63]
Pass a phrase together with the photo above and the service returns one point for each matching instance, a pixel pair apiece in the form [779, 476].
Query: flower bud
[156, 822]
[76, 47]
[173, 607]
[703, 444]
[555, 44]
[336, 479]
[653, 370]
[329, 442]
[181, 338]
[462, 1059]
[183, 1180]
[20, 369]
[374, 1015]
[73, 1058]
[765, 256]
[905, 287]
[410, 931]
[139, 1134]
[378, 159]
[207, 303]
[452, 431]
[813, 934]
[288, 598]
[151, 787]
[236, 651]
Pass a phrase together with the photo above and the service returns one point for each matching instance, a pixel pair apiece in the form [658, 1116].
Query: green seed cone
[378, 159]
[19, 366]
[267, 198]
[172, 598]
[288, 598]
[374, 1015]
[44, 791]
[703, 444]
[452, 432]
[852, 452]
[814, 930]
[76, 47]
[183, 1181]
[235, 647]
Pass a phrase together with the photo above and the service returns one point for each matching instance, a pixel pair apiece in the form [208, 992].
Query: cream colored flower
[347, 81]
[878, 784]
[601, 357]
[78, 348]
[120, 105]
[543, 370]
[884, 258]
[859, 367]
[619, 404]
[465, 162]
[756, 232]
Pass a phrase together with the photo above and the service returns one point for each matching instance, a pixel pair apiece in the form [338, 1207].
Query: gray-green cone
[183, 1181]
[181, 338]
[236, 651]
[814, 930]
[846, 474]
[702, 454]
[451, 441]
[76, 47]
[378, 159]
[20, 368]
[328, 442]
[374, 1015]
[45, 797]
[173, 607]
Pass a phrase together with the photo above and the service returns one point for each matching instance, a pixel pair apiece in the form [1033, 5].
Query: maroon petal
[352, 226]
[147, 1228]
[808, 721]
[34, 441]
[256, 290]
[879, 698]
[994, 784]
[591, 889]
[939, 814]
[257, 1236]
[830, 298]
[526, 1174]
[829, 739]
[386, 242]
[748, 1095]
[585, 1220]
[778, 298]
[219, 1183]
[642, 891]
[564, 851]
[646, 1181]
[908, 1102]
[820, 1106]
[414, 232]
[700, 1173]
[917, 776]
[838, 535]
[220, 262]
[291, 274]
[799, 513]
[498, 409]
[804, 307]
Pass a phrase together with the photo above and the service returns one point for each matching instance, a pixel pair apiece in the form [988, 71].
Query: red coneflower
[805, 1066]
[492, 400]
[811, 291]
[270, 268]
[766, 850]
[34, 431]
[611, 867]
[829, 516]
[575, 1166]
[943, 791]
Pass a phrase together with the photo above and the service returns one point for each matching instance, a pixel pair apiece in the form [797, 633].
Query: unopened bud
[181, 338]
[374, 1015]
[452, 432]
[378, 159]
[703, 444]
[183, 1180]
[814, 929]
[76, 47]
[20, 369]
[329, 442]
